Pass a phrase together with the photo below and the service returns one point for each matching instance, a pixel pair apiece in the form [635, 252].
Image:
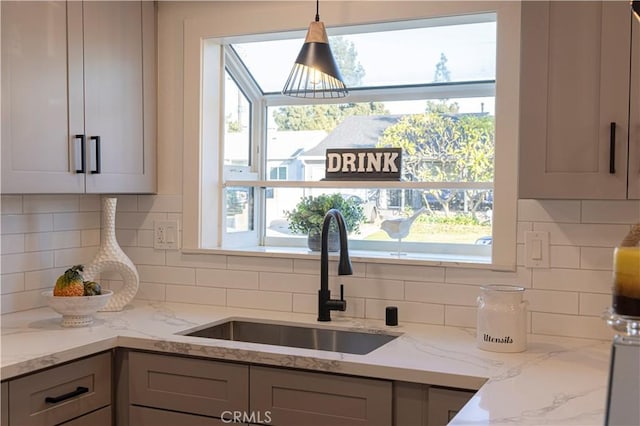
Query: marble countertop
[556, 381]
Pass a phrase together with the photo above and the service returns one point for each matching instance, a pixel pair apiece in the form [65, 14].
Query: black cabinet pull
[55, 399]
[612, 148]
[97, 170]
[82, 152]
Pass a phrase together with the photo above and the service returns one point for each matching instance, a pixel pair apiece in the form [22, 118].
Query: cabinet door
[574, 83]
[38, 152]
[4, 407]
[119, 68]
[197, 386]
[142, 416]
[444, 404]
[101, 417]
[634, 114]
[292, 398]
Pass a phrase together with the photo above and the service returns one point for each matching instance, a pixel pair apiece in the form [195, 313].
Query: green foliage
[439, 146]
[455, 219]
[322, 117]
[442, 73]
[308, 215]
[346, 56]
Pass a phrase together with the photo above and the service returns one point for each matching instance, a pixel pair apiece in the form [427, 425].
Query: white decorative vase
[110, 257]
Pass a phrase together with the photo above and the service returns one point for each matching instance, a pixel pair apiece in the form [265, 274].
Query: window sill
[419, 259]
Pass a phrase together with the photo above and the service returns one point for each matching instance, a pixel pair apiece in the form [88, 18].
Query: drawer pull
[82, 153]
[612, 147]
[55, 399]
[97, 140]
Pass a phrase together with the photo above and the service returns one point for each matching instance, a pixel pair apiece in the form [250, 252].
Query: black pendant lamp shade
[635, 6]
[315, 73]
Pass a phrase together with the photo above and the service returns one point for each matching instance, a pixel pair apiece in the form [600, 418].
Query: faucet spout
[325, 303]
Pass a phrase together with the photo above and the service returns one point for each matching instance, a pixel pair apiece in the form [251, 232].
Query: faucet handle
[341, 291]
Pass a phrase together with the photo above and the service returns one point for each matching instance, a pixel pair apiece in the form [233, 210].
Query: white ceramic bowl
[77, 311]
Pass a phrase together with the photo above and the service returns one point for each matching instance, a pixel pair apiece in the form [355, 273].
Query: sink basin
[297, 336]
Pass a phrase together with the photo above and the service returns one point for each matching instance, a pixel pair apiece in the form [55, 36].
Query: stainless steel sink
[297, 336]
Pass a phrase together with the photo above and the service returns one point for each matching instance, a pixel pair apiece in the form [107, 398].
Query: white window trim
[200, 183]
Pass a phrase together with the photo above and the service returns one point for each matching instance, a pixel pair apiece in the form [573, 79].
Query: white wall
[42, 235]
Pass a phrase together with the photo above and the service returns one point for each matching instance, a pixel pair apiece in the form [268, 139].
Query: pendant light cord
[317, 10]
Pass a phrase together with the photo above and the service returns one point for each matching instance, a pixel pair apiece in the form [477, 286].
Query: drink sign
[363, 164]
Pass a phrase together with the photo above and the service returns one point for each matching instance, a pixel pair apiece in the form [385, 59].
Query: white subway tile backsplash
[21, 262]
[160, 203]
[52, 240]
[89, 237]
[76, 221]
[167, 275]
[11, 204]
[592, 235]
[594, 304]
[225, 278]
[266, 264]
[177, 258]
[51, 203]
[14, 302]
[74, 256]
[610, 211]
[196, 295]
[145, 255]
[11, 283]
[151, 291]
[255, 299]
[42, 235]
[549, 210]
[460, 316]
[407, 311]
[44, 279]
[572, 280]
[564, 257]
[521, 277]
[445, 294]
[12, 243]
[20, 224]
[570, 325]
[294, 283]
[558, 302]
[305, 303]
[375, 288]
[405, 272]
[596, 258]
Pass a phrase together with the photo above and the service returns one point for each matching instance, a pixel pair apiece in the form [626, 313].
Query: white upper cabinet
[574, 111]
[78, 97]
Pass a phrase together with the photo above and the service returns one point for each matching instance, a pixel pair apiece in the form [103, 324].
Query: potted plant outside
[308, 215]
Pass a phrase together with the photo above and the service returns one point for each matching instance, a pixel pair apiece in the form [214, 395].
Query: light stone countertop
[556, 381]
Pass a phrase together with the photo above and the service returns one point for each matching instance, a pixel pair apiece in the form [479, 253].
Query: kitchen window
[429, 86]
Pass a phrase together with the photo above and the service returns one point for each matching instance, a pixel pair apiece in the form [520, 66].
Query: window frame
[195, 202]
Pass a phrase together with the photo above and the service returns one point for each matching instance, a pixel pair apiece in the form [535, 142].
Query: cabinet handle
[82, 152]
[55, 399]
[612, 148]
[97, 170]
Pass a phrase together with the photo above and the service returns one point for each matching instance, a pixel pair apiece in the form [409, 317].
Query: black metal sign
[363, 164]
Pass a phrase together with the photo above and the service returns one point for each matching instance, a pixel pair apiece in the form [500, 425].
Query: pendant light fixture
[635, 6]
[315, 73]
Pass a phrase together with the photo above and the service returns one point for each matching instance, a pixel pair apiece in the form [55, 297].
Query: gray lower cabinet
[423, 405]
[294, 397]
[143, 416]
[187, 385]
[4, 408]
[77, 393]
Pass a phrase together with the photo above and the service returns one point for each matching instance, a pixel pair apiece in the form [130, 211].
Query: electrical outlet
[165, 234]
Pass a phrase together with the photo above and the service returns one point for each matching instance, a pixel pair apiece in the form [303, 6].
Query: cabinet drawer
[27, 395]
[303, 398]
[143, 416]
[444, 404]
[190, 385]
[4, 409]
[101, 417]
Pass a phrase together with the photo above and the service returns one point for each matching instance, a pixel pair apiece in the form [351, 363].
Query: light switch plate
[536, 249]
[165, 234]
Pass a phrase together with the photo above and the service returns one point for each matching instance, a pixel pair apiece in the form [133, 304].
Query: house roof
[356, 131]
[281, 145]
